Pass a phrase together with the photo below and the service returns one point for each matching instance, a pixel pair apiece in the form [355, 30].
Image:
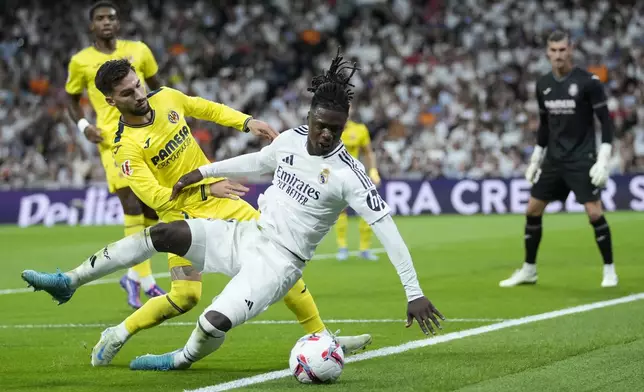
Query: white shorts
[261, 272]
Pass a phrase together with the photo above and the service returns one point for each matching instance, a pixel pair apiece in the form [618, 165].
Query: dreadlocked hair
[332, 89]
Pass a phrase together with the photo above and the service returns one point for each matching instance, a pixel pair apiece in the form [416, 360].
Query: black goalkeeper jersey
[569, 105]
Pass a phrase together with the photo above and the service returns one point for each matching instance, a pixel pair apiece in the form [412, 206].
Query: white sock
[199, 345]
[609, 269]
[147, 282]
[122, 333]
[118, 255]
[531, 268]
[132, 275]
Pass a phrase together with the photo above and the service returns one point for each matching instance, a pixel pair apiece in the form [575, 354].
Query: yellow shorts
[113, 174]
[215, 209]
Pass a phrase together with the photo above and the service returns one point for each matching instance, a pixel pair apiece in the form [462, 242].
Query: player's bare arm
[91, 132]
[367, 150]
[419, 308]
[153, 82]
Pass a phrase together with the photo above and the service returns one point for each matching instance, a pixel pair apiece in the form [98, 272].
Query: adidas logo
[288, 159]
[250, 303]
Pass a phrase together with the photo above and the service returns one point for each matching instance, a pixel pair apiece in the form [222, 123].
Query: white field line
[322, 256]
[392, 350]
[258, 322]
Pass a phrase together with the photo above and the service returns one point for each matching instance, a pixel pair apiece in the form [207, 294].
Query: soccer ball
[316, 359]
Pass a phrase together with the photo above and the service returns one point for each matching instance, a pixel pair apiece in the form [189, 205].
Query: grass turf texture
[460, 261]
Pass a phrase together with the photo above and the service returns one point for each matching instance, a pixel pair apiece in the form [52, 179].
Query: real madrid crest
[323, 178]
[573, 89]
[173, 117]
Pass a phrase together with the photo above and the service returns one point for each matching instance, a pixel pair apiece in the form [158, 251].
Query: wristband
[82, 124]
[246, 129]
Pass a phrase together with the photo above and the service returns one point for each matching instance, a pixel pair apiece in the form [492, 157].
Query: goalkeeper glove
[599, 171]
[533, 171]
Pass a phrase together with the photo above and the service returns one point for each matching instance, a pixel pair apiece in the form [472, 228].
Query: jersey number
[374, 201]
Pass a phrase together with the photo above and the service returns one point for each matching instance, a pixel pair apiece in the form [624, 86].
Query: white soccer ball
[316, 359]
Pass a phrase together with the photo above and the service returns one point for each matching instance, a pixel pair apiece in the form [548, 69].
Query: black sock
[532, 238]
[604, 241]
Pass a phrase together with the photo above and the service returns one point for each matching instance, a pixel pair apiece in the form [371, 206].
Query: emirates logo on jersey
[126, 168]
[173, 117]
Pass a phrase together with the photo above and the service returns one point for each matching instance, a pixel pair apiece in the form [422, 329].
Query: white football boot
[351, 344]
[526, 275]
[107, 347]
[610, 276]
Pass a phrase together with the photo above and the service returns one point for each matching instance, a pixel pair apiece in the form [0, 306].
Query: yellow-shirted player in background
[357, 141]
[82, 69]
[154, 147]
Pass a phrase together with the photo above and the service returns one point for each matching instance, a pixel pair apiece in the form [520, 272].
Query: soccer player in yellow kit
[154, 147]
[82, 69]
[357, 141]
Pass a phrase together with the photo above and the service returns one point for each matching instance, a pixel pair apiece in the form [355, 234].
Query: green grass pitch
[460, 261]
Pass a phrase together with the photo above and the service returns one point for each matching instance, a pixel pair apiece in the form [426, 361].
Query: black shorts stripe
[346, 158]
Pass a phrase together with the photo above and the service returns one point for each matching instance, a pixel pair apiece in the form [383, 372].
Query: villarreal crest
[173, 117]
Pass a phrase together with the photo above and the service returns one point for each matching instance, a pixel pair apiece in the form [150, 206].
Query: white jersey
[307, 195]
[309, 192]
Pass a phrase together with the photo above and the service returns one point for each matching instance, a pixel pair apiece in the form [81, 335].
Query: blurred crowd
[446, 87]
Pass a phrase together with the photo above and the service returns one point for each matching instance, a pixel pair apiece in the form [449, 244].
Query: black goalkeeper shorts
[556, 182]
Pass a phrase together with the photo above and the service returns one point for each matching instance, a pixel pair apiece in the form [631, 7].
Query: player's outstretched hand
[260, 128]
[424, 312]
[186, 180]
[93, 134]
[227, 189]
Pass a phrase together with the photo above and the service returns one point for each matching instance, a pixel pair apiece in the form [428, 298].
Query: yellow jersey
[82, 71]
[153, 156]
[355, 137]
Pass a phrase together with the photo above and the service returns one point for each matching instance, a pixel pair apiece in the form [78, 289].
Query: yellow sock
[183, 296]
[341, 229]
[133, 225]
[365, 235]
[300, 301]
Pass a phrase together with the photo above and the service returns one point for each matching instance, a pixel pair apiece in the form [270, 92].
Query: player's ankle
[73, 279]
[529, 267]
[148, 282]
[122, 333]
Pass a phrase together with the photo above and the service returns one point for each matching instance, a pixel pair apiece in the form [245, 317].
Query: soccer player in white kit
[314, 180]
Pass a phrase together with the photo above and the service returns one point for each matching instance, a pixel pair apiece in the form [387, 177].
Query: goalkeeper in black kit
[566, 157]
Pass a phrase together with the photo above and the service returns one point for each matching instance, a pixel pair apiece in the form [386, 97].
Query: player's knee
[185, 294]
[216, 320]
[536, 207]
[594, 212]
[173, 237]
